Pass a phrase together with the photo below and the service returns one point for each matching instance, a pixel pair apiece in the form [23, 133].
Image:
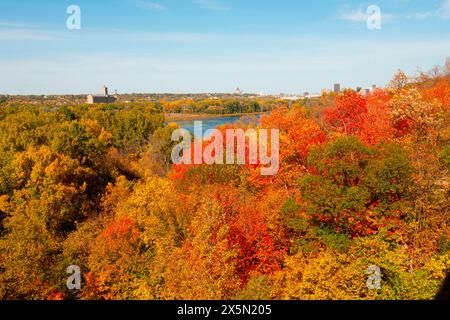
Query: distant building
[337, 88]
[374, 87]
[364, 92]
[238, 91]
[105, 98]
[358, 89]
[290, 98]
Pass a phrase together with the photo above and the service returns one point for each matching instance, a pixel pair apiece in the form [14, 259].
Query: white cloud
[149, 5]
[355, 16]
[444, 10]
[191, 37]
[14, 24]
[23, 34]
[17, 31]
[361, 16]
[213, 5]
[294, 68]
[420, 15]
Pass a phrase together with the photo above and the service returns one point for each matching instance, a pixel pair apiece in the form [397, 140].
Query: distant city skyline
[104, 92]
[192, 46]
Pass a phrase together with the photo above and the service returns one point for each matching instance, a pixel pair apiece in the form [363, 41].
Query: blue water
[208, 124]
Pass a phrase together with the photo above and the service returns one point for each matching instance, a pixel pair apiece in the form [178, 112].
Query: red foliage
[347, 113]
[258, 252]
[120, 228]
[118, 236]
[365, 117]
[376, 124]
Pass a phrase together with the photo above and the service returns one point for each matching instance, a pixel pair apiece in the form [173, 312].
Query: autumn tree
[410, 112]
[346, 115]
[399, 81]
[356, 189]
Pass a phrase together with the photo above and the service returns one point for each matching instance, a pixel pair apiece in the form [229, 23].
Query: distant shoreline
[203, 116]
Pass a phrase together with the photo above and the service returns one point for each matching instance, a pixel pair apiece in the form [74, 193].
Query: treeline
[222, 106]
[363, 181]
[167, 103]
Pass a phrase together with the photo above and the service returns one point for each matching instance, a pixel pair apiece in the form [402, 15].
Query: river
[213, 123]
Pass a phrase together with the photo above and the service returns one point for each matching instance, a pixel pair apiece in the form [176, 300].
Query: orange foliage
[440, 92]
[298, 135]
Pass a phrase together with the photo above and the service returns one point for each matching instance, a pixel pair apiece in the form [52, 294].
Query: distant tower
[337, 88]
[238, 91]
[102, 98]
[374, 87]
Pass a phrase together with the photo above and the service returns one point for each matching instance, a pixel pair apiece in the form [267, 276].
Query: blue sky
[181, 46]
